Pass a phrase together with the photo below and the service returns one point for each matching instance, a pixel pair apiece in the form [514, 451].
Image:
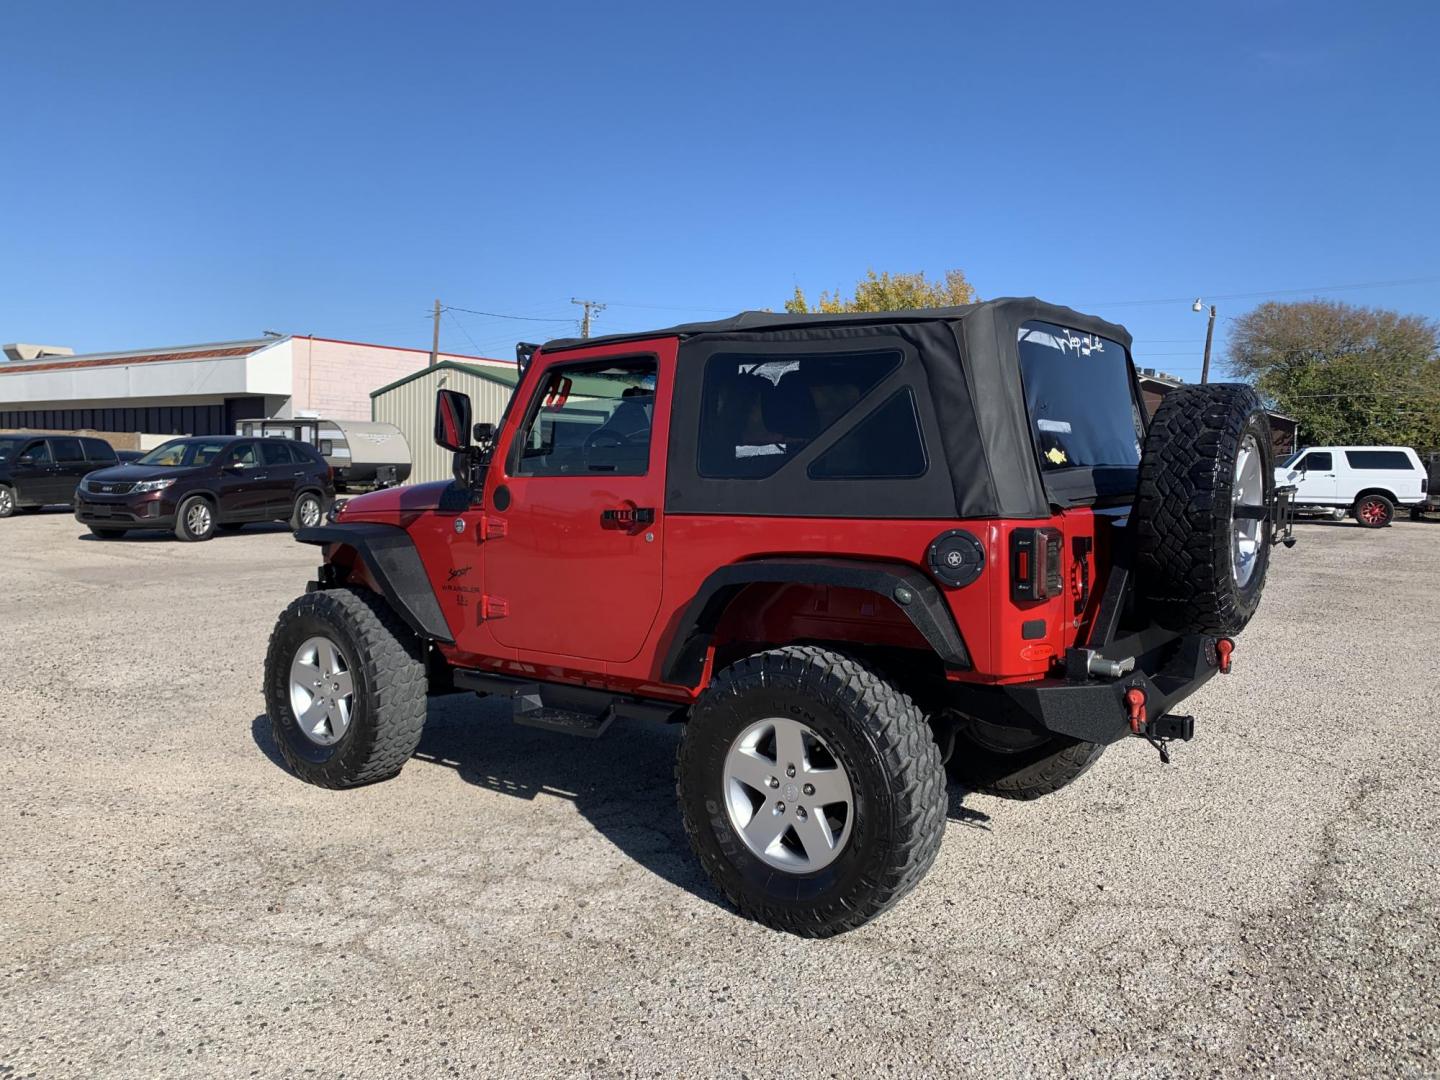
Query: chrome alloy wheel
[1247, 532]
[7, 501]
[787, 796]
[309, 511]
[322, 691]
[198, 518]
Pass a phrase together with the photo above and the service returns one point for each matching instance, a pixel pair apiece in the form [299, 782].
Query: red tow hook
[1223, 648]
[1135, 707]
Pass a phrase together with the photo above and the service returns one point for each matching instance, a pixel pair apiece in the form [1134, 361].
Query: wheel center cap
[791, 792]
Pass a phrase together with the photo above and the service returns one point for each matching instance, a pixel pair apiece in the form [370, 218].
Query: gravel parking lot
[173, 903]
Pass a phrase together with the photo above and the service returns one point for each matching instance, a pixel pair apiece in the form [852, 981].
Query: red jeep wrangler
[849, 552]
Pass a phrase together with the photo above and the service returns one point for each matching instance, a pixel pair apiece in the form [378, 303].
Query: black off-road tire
[1043, 768]
[875, 733]
[1373, 511]
[387, 665]
[183, 528]
[298, 513]
[1184, 512]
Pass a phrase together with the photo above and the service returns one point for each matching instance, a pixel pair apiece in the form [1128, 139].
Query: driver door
[1317, 479]
[574, 568]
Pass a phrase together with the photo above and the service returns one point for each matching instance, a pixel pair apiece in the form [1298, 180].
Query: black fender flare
[926, 609]
[389, 555]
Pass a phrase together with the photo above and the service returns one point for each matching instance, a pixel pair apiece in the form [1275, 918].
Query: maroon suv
[197, 485]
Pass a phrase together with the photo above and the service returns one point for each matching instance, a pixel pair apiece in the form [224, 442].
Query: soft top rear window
[1079, 396]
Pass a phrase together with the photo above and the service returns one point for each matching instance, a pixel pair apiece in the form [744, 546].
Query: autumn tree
[1350, 375]
[890, 292]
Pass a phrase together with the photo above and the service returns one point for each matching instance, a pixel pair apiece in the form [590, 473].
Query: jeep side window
[590, 418]
[759, 410]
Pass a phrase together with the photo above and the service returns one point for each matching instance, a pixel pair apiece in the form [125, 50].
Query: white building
[202, 389]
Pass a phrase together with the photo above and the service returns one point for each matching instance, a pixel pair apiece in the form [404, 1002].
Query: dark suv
[39, 470]
[197, 485]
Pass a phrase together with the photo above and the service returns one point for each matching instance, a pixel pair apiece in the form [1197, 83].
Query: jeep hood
[390, 504]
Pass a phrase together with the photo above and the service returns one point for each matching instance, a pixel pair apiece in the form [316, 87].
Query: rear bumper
[1093, 709]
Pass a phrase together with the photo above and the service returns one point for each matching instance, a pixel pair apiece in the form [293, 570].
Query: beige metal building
[409, 404]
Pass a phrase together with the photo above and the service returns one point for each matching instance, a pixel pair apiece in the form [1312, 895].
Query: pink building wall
[334, 378]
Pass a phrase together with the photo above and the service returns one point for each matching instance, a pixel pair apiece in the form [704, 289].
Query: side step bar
[571, 710]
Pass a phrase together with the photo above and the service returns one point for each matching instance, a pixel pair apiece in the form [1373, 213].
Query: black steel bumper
[1167, 671]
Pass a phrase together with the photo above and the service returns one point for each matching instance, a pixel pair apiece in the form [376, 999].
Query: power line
[498, 315]
[1272, 292]
[462, 329]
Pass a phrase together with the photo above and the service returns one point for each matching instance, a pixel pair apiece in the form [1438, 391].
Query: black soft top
[962, 363]
[761, 321]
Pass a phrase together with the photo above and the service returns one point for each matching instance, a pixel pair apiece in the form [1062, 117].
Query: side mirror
[452, 420]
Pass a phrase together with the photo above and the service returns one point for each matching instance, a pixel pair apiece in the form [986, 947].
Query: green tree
[1348, 374]
[890, 292]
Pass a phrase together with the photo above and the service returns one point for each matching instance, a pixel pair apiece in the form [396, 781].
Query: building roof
[212, 351]
[505, 376]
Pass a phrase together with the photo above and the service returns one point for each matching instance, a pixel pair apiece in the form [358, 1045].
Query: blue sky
[194, 172]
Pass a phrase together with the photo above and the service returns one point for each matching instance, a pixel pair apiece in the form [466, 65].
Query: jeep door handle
[627, 518]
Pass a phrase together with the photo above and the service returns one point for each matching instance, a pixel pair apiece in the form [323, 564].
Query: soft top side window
[760, 410]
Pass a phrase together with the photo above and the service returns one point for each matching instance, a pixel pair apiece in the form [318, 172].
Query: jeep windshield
[1086, 422]
[182, 453]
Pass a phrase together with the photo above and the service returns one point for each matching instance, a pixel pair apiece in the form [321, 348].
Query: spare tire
[1207, 477]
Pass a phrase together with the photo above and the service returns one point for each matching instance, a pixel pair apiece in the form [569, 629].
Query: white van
[1368, 481]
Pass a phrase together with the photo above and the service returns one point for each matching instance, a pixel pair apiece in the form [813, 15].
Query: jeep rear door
[576, 491]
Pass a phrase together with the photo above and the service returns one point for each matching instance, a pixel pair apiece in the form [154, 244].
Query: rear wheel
[811, 789]
[1207, 479]
[344, 688]
[7, 501]
[307, 512]
[196, 519]
[1374, 511]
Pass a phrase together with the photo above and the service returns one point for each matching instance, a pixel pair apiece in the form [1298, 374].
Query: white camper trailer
[363, 453]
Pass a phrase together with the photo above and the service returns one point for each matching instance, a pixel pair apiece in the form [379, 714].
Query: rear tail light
[1035, 570]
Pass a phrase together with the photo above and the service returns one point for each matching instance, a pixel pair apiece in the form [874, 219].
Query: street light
[1209, 337]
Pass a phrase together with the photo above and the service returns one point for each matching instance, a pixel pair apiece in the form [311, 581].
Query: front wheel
[307, 512]
[1014, 763]
[7, 501]
[1374, 511]
[811, 790]
[344, 688]
[196, 519]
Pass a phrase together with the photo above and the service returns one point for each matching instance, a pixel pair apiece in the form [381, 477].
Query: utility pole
[435, 341]
[1209, 337]
[592, 307]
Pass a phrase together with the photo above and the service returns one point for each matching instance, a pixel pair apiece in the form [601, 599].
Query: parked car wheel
[811, 789]
[1012, 763]
[196, 519]
[1374, 511]
[345, 688]
[1207, 476]
[7, 501]
[308, 512]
